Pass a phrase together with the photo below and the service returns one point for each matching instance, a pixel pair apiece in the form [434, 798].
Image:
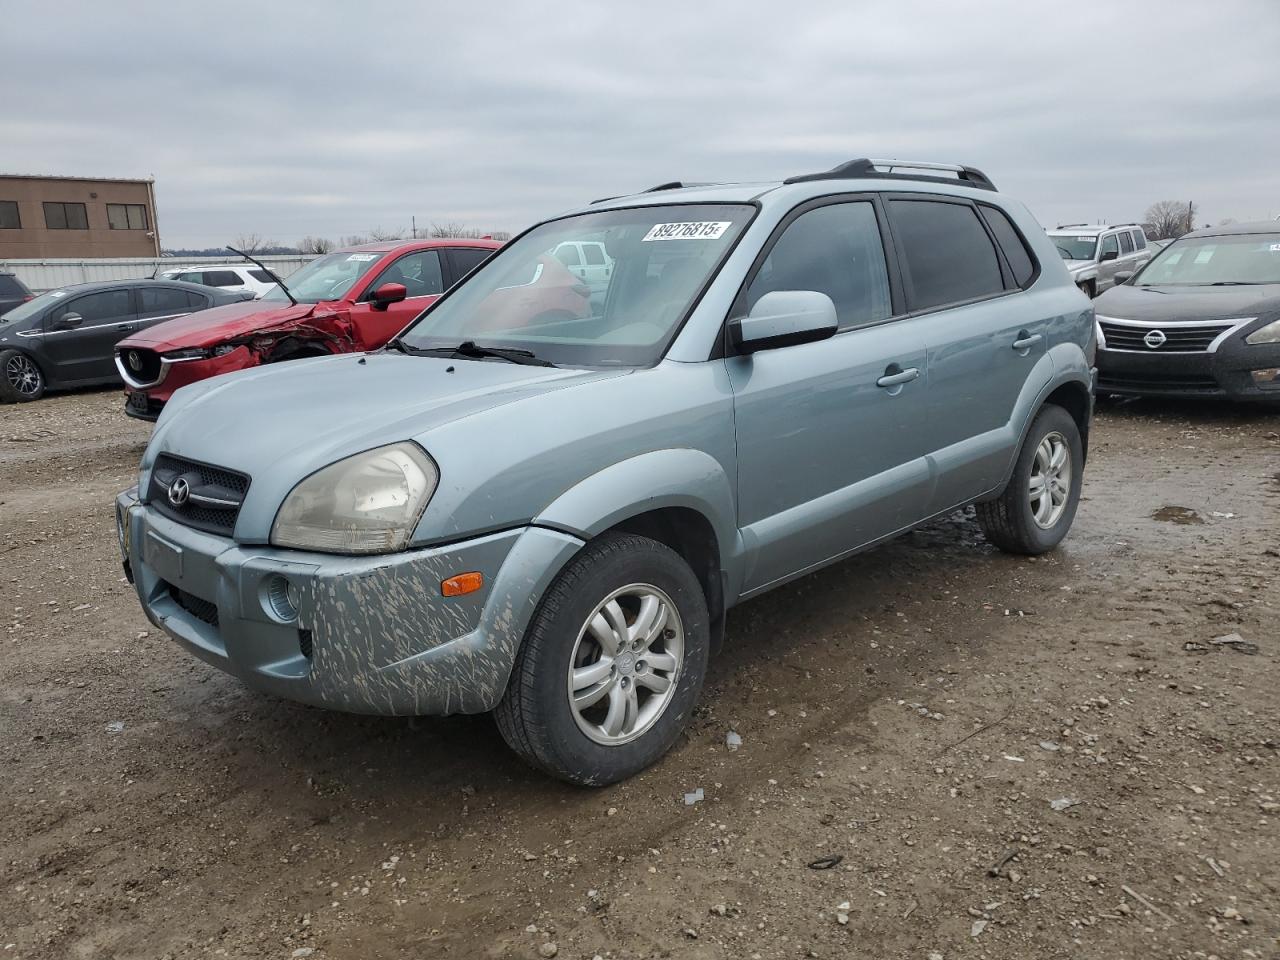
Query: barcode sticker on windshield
[363, 257]
[698, 230]
[1275, 248]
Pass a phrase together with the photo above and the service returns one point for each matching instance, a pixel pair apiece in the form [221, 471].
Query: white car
[232, 277]
[1098, 257]
[588, 261]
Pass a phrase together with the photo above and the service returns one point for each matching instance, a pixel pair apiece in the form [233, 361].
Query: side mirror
[784, 318]
[1123, 276]
[388, 294]
[68, 321]
[1110, 255]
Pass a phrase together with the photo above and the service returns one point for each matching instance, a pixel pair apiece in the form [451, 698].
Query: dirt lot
[915, 711]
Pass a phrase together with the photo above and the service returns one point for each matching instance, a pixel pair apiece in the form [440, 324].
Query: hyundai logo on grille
[1154, 339]
[179, 491]
[135, 361]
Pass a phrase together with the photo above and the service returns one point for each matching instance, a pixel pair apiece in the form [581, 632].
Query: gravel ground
[1013, 758]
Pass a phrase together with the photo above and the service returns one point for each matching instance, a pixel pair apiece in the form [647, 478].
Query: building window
[65, 216]
[9, 219]
[126, 216]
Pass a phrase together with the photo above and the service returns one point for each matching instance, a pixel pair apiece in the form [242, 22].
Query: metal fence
[42, 275]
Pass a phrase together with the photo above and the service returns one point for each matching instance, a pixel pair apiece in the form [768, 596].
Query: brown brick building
[44, 217]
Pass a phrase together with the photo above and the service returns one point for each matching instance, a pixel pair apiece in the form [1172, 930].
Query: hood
[1075, 266]
[280, 423]
[1161, 304]
[207, 328]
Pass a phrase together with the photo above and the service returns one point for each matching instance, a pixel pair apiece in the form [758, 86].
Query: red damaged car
[353, 300]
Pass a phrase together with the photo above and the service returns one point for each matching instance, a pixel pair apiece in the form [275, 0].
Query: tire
[1012, 521]
[21, 379]
[535, 715]
[1089, 288]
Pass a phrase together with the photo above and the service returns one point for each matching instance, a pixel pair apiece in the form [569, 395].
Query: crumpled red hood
[208, 328]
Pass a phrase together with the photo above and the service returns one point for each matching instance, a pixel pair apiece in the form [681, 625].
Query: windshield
[1074, 247]
[326, 278]
[32, 307]
[1200, 261]
[544, 294]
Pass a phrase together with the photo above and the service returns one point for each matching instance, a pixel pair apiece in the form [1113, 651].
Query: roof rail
[888, 170]
[1068, 226]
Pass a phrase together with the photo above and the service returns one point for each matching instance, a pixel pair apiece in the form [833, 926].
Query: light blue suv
[544, 514]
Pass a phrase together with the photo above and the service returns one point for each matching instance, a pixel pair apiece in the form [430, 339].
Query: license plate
[163, 557]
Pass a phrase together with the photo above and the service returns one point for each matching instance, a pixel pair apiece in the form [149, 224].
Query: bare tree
[353, 240]
[501, 235]
[377, 234]
[252, 242]
[319, 245]
[453, 229]
[1168, 219]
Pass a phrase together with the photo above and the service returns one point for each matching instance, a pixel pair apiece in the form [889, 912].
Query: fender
[1069, 366]
[661, 478]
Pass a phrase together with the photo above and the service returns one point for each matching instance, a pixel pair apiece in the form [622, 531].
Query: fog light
[283, 598]
[1270, 377]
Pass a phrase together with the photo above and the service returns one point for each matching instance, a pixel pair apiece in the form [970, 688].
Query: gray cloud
[292, 118]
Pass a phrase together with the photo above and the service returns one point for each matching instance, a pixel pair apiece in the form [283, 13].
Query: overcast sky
[288, 118]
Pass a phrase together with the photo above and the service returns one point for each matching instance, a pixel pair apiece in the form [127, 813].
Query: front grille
[143, 365]
[1157, 382]
[1177, 339]
[203, 610]
[212, 495]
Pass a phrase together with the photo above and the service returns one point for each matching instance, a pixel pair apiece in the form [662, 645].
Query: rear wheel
[1035, 510]
[611, 665]
[20, 378]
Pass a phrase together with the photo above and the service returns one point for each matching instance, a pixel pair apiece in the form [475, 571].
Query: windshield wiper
[1232, 283]
[270, 273]
[469, 350]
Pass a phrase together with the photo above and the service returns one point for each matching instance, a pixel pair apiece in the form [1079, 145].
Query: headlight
[369, 503]
[1268, 334]
[199, 353]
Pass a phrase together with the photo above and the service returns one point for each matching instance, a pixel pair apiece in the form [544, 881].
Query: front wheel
[612, 664]
[20, 378]
[1035, 510]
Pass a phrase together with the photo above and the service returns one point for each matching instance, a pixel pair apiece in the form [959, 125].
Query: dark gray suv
[66, 337]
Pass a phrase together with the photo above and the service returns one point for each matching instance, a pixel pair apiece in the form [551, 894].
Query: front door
[83, 349]
[830, 455]
[1108, 247]
[422, 275]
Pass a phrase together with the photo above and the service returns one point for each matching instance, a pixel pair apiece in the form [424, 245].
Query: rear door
[158, 303]
[830, 447]
[83, 350]
[984, 335]
[422, 274]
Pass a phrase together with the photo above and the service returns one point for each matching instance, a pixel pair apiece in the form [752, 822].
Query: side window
[419, 272]
[1109, 245]
[567, 253]
[158, 301]
[466, 259]
[948, 255]
[593, 254]
[196, 301]
[1126, 242]
[222, 278]
[1139, 240]
[104, 307]
[193, 276]
[262, 276]
[836, 250]
[1021, 260]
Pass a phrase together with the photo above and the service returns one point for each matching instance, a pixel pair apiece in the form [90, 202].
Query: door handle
[1026, 341]
[896, 379]
[124, 326]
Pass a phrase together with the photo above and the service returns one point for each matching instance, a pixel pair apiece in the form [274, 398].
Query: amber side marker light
[462, 584]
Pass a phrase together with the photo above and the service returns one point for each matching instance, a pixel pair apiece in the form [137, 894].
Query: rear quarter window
[1021, 260]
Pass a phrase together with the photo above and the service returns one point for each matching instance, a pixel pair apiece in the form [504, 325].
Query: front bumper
[370, 634]
[145, 400]
[1225, 372]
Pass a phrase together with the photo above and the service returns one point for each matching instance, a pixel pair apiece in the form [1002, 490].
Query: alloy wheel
[626, 664]
[23, 375]
[1050, 484]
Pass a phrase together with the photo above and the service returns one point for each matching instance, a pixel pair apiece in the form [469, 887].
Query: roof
[1090, 230]
[1234, 229]
[54, 176]
[423, 243]
[109, 284]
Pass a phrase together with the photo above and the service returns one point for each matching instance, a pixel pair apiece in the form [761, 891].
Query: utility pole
[414, 221]
[1191, 215]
